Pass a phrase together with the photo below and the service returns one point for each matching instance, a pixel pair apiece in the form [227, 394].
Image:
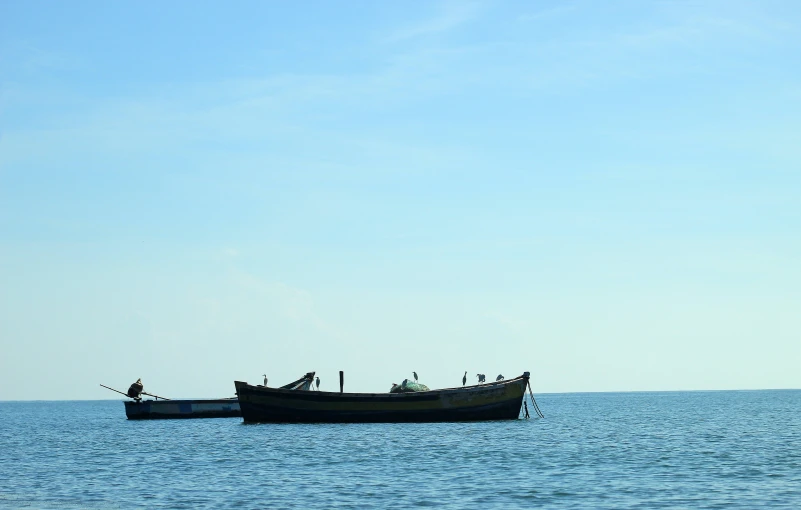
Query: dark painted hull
[172, 409]
[494, 401]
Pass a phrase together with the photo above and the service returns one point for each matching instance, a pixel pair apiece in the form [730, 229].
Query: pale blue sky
[607, 194]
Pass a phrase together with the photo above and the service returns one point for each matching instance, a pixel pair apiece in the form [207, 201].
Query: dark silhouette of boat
[165, 408]
[170, 409]
[500, 400]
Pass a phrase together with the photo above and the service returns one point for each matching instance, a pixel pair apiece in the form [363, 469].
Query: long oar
[143, 393]
[151, 395]
[112, 389]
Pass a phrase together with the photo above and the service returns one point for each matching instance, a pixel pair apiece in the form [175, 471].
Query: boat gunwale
[256, 389]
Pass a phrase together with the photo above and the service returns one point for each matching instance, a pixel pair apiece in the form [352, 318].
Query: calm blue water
[612, 450]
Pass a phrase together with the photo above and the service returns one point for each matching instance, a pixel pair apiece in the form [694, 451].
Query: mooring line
[536, 407]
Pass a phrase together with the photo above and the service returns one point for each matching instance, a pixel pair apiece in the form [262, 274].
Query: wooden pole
[341, 380]
[112, 389]
[157, 397]
[143, 393]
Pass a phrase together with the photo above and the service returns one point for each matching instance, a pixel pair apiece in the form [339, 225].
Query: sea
[718, 449]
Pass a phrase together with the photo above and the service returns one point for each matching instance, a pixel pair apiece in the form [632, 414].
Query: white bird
[265, 379]
[464, 378]
[415, 376]
[481, 378]
[499, 378]
[317, 381]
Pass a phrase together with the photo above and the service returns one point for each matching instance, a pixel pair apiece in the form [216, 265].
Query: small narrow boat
[500, 400]
[167, 409]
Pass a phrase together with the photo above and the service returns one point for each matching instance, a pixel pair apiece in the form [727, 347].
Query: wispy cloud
[452, 15]
[696, 24]
[510, 323]
[553, 12]
[28, 57]
[291, 303]
[287, 106]
[687, 32]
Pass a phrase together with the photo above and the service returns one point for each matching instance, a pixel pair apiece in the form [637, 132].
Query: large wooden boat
[499, 400]
[168, 409]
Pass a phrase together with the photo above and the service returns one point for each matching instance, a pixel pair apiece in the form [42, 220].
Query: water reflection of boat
[500, 400]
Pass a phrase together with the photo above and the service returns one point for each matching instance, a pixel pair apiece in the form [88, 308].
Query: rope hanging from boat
[534, 402]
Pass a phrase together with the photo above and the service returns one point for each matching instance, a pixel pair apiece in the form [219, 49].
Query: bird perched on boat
[415, 376]
[464, 378]
[317, 381]
[481, 378]
[404, 383]
[265, 379]
[499, 378]
[136, 388]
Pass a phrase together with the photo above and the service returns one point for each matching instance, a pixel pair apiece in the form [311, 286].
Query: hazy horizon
[605, 195]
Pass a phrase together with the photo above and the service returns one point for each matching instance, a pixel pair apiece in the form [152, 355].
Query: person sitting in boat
[135, 389]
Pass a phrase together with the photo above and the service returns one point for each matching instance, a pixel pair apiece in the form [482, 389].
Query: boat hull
[494, 401]
[171, 409]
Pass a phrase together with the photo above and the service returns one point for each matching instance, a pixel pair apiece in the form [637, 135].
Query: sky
[605, 194]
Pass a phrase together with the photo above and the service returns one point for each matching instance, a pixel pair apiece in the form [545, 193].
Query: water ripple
[625, 450]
